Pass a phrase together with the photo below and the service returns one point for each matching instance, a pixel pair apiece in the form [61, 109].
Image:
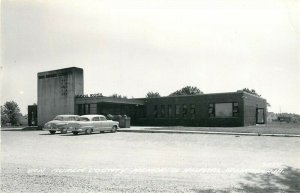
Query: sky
[131, 47]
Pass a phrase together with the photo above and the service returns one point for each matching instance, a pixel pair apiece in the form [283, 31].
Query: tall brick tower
[56, 92]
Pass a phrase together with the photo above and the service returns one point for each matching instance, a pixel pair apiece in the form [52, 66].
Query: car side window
[95, 119]
[83, 119]
[103, 119]
[72, 119]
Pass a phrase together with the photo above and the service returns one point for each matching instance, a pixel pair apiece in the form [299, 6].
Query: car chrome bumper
[54, 129]
[75, 129]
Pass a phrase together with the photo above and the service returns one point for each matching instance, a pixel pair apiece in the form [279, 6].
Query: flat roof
[141, 101]
[63, 70]
[104, 99]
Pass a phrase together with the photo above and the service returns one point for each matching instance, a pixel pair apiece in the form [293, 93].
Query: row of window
[189, 111]
[63, 85]
[114, 109]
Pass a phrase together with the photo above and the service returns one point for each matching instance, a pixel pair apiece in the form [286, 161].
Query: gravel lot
[34, 161]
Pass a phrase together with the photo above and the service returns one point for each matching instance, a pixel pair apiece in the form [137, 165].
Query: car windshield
[66, 118]
[83, 119]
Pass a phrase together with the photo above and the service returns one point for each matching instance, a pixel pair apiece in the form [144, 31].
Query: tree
[4, 118]
[118, 96]
[252, 91]
[188, 90]
[10, 113]
[152, 94]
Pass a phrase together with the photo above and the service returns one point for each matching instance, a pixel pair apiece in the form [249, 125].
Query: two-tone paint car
[92, 123]
[59, 123]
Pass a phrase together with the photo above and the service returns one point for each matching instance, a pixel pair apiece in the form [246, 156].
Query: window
[193, 111]
[103, 119]
[155, 111]
[63, 74]
[184, 110]
[235, 110]
[95, 119]
[177, 110]
[83, 119]
[63, 85]
[81, 109]
[162, 110]
[211, 111]
[87, 108]
[72, 118]
[223, 109]
[51, 75]
[170, 110]
[59, 118]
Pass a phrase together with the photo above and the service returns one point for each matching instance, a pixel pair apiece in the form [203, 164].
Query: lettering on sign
[90, 95]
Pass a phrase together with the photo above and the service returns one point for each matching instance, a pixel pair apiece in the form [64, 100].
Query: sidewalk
[192, 130]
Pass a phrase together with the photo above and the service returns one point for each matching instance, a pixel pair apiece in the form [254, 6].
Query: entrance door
[260, 116]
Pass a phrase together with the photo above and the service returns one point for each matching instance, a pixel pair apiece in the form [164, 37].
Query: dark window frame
[162, 111]
[155, 111]
[96, 119]
[169, 110]
[192, 110]
[211, 110]
[177, 110]
[234, 113]
[185, 110]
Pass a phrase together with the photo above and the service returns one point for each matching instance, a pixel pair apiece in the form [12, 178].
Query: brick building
[61, 92]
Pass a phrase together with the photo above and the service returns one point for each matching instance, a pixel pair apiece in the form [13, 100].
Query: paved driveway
[34, 161]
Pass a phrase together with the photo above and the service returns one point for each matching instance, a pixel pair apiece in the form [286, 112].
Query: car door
[96, 123]
[104, 123]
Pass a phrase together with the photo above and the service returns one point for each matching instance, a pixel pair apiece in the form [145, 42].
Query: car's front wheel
[114, 129]
[75, 132]
[52, 132]
[88, 131]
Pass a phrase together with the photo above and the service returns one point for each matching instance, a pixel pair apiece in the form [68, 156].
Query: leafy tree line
[118, 96]
[252, 91]
[10, 113]
[187, 90]
[192, 90]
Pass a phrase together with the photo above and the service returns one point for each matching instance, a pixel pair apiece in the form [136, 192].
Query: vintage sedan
[59, 123]
[92, 123]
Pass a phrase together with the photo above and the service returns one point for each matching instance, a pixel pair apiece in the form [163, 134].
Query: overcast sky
[131, 47]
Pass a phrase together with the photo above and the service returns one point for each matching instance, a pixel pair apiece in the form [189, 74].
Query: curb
[205, 132]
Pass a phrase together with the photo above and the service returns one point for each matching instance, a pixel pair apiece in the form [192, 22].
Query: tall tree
[152, 94]
[187, 90]
[10, 113]
[252, 91]
[118, 96]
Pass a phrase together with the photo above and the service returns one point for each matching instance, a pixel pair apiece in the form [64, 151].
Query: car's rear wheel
[88, 131]
[52, 132]
[114, 129]
[75, 132]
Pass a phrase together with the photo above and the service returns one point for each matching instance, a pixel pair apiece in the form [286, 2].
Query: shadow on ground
[287, 181]
[82, 134]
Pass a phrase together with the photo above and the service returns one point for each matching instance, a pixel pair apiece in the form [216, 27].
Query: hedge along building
[61, 92]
